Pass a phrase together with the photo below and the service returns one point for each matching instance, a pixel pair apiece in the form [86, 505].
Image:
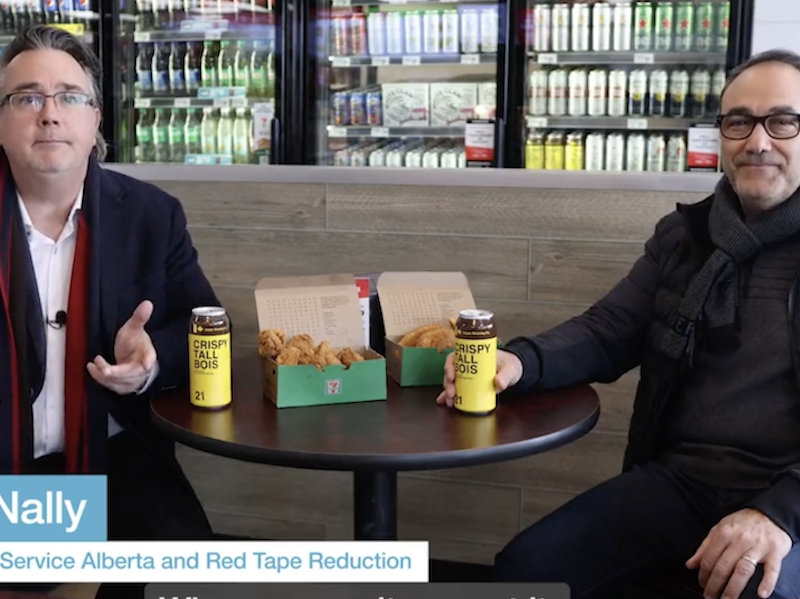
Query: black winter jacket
[624, 329]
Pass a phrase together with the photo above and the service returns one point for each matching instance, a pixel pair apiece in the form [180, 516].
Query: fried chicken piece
[411, 339]
[347, 356]
[270, 343]
[306, 346]
[289, 356]
[440, 339]
[325, 355]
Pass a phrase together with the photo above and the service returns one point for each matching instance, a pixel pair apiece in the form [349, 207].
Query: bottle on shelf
[191, 67]
[192, 132]
[177, 136]
[177, 74]
[208, 64]
[145, 150]
[225, 63]
[242, 133]
[161, 136]
[208, 131]
[225, 133]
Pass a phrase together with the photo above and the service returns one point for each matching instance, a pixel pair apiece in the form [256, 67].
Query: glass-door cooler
[394, 83]
[197, 81]
[622, 86]
[78, 17]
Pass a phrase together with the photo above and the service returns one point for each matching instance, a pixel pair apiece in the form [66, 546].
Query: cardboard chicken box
[419, 310]
[298, 369]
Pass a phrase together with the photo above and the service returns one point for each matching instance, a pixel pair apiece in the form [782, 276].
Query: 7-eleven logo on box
[333, 387]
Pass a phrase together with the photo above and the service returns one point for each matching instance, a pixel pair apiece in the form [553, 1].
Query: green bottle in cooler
[144, 151]
[177, 136]
[241, 66]
[208, 131]
[225, 63]
[242, 131]
[723, 26]
[225, 133]
[192, 132]
[208, 65]
[161, 135]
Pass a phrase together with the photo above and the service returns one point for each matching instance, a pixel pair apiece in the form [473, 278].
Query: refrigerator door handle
[275, 150]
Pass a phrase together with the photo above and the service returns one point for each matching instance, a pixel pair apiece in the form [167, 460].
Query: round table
[374, 440]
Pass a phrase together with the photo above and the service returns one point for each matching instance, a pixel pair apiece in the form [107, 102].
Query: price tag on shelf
[397, 1]
[411, 61]
[470, 59]
[537, 122]
[340, 61]
[238, 102]
[547, 58]
[380, 61]
[141, 36]
[183, 102]
[213, 34]
[340, 3]
[380, 132]
[643, 58]
[141, 103]
[222, 102]
[337, 132]
[637, 124]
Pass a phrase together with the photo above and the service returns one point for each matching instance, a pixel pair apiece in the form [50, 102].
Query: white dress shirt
[52, 265]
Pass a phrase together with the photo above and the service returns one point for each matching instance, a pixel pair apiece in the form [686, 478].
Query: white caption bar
[221, 561]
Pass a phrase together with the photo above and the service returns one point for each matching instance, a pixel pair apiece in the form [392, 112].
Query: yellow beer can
[475, 361]
[210, 358]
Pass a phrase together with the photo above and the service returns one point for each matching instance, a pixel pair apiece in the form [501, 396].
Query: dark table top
[408, 431]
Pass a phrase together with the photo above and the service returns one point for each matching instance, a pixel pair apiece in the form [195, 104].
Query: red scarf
[16, 434]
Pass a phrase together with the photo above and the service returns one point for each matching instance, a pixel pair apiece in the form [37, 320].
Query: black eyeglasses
[741, 126]
[34, 101]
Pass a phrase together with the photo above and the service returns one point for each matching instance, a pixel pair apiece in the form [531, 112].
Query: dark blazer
[141, 251]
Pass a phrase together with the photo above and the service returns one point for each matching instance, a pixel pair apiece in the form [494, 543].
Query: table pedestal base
[375, 505]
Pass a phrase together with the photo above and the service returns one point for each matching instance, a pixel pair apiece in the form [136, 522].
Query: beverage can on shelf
[395, 33]
[601, 27]
[554, 151]
[659, 88]
[722, 28]
[534, 150]
[489, 25]
[358, 34]
[431, 32]
[340, 108]
[615, 152]
[656, 152]
[578, 82]
[450, 41]
[538, 85]
[542, 19]
[595, 149]
[643, 26]
[376, 33]
[413, 31]
[358, 107]
[340, 36]
[637, 92]
[636, 152]
[557, 92]
[617, 92]
[678, 92]
[622, 31]
[581, 17]
[573, 152]
[374, 108]
[470, 32]
[598, 92]
[704, 27]
[684, 26]
[676, 153]
[560, 29]
[665, 16]
[700, 92]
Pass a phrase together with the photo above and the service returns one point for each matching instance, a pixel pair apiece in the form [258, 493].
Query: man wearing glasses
[98, 277]
[711, 313]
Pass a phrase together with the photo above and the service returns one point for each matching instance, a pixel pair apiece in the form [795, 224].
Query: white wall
[776, 25]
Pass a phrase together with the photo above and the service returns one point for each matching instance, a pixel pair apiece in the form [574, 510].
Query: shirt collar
[28, 223]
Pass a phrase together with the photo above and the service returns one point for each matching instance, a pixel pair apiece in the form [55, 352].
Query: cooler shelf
[432, 59]
[626, 58]
[607, 122]
[386, 132]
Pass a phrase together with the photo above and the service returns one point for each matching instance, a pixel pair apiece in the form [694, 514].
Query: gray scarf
[713, 293]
